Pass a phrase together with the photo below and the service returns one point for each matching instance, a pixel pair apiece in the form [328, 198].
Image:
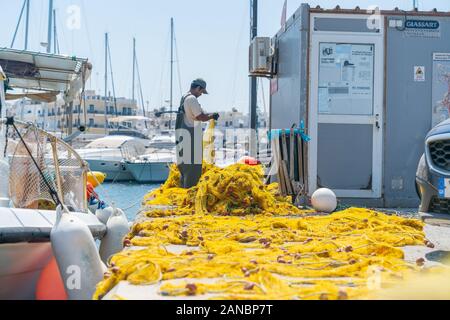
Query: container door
[346, 114]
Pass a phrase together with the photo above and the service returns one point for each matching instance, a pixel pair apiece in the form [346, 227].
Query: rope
[6, 141]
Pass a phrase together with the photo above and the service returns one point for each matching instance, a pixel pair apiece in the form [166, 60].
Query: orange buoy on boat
[50, 285]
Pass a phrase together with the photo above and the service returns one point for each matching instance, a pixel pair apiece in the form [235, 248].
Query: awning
[44, 72]
[42, 97]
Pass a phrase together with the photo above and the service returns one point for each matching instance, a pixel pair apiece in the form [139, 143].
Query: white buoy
[76, 254]
[104, 214]
[324, 200]
[4, 183]
[116, 229]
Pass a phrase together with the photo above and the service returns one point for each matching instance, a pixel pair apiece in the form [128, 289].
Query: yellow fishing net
[242, 240]
[267, 257]
[237, 190]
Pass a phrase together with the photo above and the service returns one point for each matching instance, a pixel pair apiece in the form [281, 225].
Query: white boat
[44, 215]
[108, 155]
[152, 167]
[165, 140]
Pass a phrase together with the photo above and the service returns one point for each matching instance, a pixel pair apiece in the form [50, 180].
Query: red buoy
[249, 161]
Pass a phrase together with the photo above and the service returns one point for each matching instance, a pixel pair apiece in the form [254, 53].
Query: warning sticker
[419, 73]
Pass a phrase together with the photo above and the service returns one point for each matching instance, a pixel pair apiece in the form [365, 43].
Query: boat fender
[77, 256]
[104, 214]
[4, 183]
[116, 229]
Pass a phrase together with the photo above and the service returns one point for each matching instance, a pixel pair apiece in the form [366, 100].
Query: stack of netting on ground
[244, 241]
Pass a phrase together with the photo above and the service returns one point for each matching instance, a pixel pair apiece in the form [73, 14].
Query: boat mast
[27, 23]
[253, 80]
[50, 22]
[171, 72]
[134, 69]
[106, 82]
[55, 36]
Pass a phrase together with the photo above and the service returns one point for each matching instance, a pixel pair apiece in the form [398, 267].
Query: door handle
[377, 121]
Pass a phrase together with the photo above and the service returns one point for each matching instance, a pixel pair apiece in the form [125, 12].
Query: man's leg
[190, 175]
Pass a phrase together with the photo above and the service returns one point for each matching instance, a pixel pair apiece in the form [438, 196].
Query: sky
[212, 39]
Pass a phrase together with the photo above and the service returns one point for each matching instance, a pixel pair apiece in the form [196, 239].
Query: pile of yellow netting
[339, 256]
[237, 190]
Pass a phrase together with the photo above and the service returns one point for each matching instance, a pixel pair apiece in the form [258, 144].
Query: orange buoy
[249, 161]
[50, 285]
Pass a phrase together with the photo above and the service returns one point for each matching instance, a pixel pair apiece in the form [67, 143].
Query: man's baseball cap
[200, 83]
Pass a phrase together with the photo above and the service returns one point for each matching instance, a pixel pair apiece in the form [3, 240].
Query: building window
[91, 108]
[91, 122]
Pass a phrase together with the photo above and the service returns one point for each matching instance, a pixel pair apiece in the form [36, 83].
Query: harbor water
[126, 195]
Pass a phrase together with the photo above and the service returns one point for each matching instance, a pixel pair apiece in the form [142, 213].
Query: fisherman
[189, 134]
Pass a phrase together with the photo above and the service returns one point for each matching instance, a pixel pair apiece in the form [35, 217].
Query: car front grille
[440, 154]
[440, 205]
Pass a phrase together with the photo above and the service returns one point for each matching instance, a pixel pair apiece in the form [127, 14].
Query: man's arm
[204, 117]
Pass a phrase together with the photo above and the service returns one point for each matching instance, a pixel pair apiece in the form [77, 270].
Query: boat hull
[21, 265]
[114, 170]
[149, 172]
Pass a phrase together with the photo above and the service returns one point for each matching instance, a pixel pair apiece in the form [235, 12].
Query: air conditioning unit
[260, 56]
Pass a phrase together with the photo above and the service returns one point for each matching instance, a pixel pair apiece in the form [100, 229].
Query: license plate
[444, 188]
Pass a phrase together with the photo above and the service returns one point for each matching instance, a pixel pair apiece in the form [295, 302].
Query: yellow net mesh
[261, 257]
[251, 244]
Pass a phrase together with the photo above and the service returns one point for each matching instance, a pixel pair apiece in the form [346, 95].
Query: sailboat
[108, 154]
[153, 166]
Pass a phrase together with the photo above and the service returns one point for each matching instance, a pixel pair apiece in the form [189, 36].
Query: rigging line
[163, 69]
[140, 90]
[112, 80]
[83, 8]
[18, 23]
[178, 66]
[236, 63]
[61, 29]
[41, 17]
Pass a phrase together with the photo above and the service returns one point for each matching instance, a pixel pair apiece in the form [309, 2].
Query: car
[433, 173]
